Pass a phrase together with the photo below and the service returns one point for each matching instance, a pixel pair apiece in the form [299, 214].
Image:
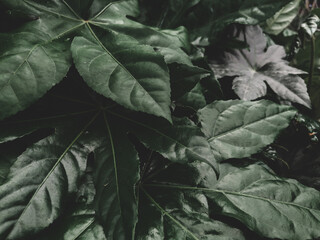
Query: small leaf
[310, 26]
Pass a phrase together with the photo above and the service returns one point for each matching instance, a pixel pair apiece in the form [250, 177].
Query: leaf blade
[139, 87]
[237, 129]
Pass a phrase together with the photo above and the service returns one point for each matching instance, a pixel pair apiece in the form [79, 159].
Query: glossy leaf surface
[282, 19]
[138, 72]
[290, 210]
[237, 129]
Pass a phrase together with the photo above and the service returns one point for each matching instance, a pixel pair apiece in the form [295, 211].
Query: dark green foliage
[114, 126]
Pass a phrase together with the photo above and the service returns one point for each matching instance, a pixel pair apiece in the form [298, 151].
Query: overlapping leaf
[109, 50]
[62, 157]
[254, 68]
[180, 215]
[269, 205]
[166, 214]
[282, 18]
[208, 17]
[79, 224]
[70, 169]
[248, 12]
[237, 129]
[61, 161]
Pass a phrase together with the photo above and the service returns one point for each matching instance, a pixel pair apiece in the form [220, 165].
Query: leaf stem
[312, 56]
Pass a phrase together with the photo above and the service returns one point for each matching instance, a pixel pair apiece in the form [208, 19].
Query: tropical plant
[113, 124]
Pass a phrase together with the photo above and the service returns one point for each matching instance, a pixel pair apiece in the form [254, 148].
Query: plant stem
[312, 55]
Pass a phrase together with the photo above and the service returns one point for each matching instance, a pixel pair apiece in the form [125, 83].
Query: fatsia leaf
[290, 210]
[194, 98]
[184, 143]
[181, 214]
[31, 62]
[254, 68]
[271, 206]
[116, 164]
[139, 87]
[282, 18]
[116, 172]
[237, 129]
[61, 159]
[37, 55]
[79, 220]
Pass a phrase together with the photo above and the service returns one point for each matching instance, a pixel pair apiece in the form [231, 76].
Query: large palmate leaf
[117, 57]
[271, 206]
[254, 68]
[62, 157]
[237, 129]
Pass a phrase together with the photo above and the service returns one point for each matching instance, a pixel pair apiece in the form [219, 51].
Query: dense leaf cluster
[113, 124]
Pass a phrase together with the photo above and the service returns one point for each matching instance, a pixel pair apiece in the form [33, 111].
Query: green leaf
[183, 143]
[194, 98]
[238, 129]
[144, 83]
[184, 78]
[180, 215]
[290, 210]
[310, 26]
[248, 12]
[204, 92]
[62, 160]
[79, 220]
[166, 214]
[254, 67]
[37, 55]
[282, 19]
[166, 14]
[115, 173]
[31, 62]
[271, 206]
[116, 164]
